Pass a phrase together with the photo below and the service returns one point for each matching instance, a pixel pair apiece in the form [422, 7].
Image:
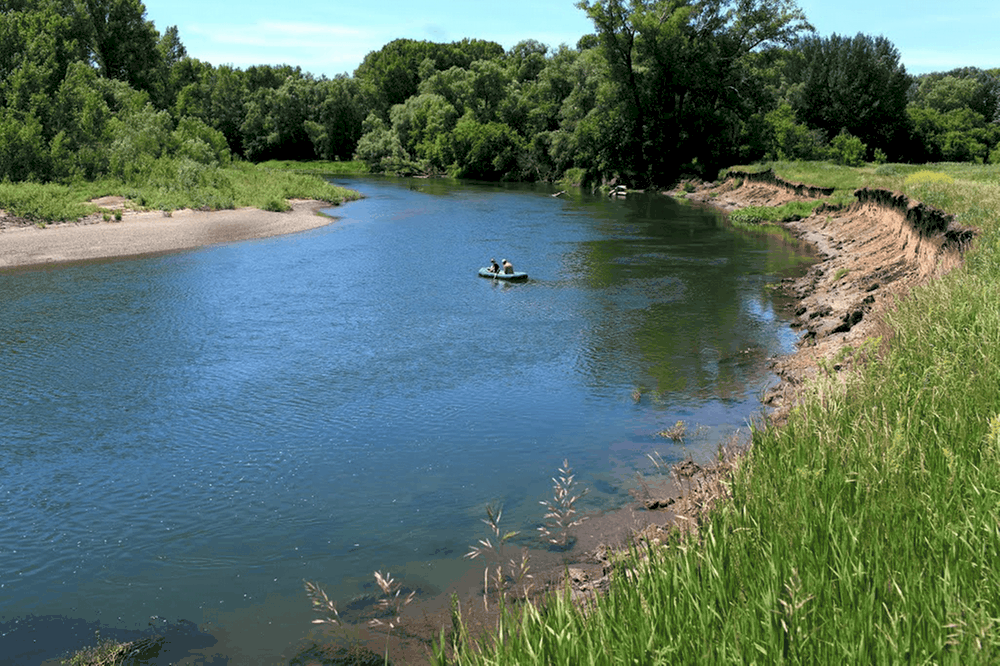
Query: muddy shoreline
[870, 253]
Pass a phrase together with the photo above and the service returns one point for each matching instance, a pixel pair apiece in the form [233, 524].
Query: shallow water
[190, 436]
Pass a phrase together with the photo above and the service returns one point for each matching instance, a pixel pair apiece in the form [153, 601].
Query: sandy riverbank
[149, 233]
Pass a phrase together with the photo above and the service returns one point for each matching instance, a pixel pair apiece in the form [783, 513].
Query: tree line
[661, 89]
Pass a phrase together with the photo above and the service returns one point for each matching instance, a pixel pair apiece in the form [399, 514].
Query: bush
[995, 155]
[848, 150]
[791, 140]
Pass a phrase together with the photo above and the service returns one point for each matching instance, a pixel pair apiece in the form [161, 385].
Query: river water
[190, 436]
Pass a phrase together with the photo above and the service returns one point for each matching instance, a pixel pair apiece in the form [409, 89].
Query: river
[190, 436]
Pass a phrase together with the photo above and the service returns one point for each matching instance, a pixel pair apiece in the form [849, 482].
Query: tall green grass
[44, 202]
[865, 530]
[171, 184]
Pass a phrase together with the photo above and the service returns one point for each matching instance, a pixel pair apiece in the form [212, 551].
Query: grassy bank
[172, 184]
[319, 167]
[866, 530]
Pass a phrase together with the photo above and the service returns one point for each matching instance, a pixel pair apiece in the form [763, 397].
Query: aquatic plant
[676, 432]
[109, 652]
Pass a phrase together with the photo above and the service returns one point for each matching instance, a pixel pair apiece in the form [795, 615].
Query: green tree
[682, 77]
[214, 95]
[334, 126]
[955, 116]
[275, 123]
[39, 41]
[856, 85]
[422, 125]
[848, 150]
[485, 151]
[80, 119]
[194, 140]
[139, 137]
[24, 154]
[790, 139]
[380, 149]
[391, 75]
[124, 45]
[169, 78]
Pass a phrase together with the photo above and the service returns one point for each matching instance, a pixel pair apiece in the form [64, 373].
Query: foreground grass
[866, 530]
[171, 185]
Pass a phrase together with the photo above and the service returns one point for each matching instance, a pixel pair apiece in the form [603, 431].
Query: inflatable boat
[510, 277]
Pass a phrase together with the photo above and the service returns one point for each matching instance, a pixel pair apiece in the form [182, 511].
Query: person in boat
[508, 267]
[494, 266]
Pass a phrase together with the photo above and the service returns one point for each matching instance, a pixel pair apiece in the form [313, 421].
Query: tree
[24, 154]
[392, 74]
[966, 87]
[214, 95]
[485, 151]
[790, 139]
[380, 149]
[334, 126]
[275, 123]
[170, 77]
[855, 85]
[955, 115]
[422, 126]
[39, 40]
[123, 43]
[682, 73]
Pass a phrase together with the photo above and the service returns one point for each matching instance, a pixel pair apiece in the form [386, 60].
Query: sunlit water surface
[190, 436]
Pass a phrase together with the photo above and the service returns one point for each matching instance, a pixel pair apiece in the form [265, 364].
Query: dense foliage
[661, 88]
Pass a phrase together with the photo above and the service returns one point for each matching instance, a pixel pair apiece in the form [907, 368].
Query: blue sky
[330, 37]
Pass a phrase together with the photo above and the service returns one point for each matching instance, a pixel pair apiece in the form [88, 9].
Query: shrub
[994, 157]
[848, 150]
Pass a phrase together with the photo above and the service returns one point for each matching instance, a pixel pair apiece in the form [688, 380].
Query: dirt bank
[146, 233]
[870, 253]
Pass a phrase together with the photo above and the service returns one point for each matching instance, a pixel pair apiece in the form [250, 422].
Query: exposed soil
[870, 254]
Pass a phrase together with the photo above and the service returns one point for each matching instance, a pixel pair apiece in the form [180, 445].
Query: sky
[331, 37]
